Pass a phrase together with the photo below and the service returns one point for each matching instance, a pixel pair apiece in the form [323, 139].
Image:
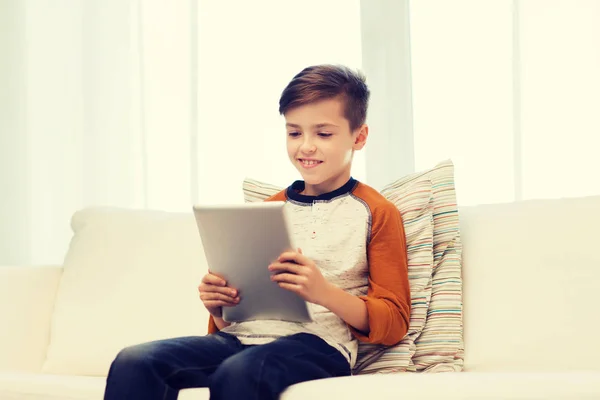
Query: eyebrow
[316, 126]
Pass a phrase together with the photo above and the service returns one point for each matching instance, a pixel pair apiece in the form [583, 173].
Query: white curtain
[153, 104]
[147, 104]
[385, 29]
[248, 51]
[510, 90]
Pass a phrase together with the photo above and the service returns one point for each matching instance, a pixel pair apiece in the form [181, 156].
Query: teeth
[309, 162]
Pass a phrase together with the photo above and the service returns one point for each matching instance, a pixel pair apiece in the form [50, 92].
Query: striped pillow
[255, 191]
[414, 201]
[440, 347]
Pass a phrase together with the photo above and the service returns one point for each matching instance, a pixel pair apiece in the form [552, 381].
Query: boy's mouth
[309, 163]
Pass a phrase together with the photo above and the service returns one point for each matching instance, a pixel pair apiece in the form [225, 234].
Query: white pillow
[129, 277]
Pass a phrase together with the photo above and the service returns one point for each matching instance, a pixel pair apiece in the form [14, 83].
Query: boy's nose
[308, 147]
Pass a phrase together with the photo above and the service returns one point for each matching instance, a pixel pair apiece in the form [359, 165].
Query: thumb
[299, 250]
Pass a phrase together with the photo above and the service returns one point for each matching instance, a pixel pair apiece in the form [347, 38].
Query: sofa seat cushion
[452, 386]
[23, 386]
[449, 386]
[17, 386]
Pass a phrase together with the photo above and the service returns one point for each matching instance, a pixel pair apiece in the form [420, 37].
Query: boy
[351, 267]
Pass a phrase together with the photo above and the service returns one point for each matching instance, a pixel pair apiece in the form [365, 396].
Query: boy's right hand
[215, 294]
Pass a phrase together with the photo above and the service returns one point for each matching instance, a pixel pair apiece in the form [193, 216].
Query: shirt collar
[293, 192]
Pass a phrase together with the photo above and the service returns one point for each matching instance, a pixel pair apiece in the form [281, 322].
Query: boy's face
[321, 145]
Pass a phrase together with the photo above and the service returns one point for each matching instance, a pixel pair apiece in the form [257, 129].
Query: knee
[237, 370]
[133, 357]
[135, 369]
[234, 369]
[245, 372]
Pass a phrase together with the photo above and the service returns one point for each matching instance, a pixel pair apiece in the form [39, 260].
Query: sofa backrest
[531, 277]
[530, 273]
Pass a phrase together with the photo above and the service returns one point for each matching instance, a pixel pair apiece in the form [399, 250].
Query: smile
[309, 163]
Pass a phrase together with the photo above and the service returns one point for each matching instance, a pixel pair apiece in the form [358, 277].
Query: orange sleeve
[212, 327]
[388, 296]
[280, 196]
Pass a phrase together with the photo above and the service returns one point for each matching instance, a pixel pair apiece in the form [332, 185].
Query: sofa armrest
[26, 304]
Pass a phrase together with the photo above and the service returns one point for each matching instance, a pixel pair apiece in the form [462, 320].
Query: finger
[289, 267]
[210, 296]
[291, 287]
[218, 289]
[299, 250]
[293, 256]
[217, 275]
[214, 288]
[289, 278]
[218, 303]
[217, 295]
[213, 279]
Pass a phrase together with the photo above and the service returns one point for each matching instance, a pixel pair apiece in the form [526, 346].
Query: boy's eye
[323, 134]
[293, 134]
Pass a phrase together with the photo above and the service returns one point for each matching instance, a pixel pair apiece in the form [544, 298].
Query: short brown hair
[321, 82]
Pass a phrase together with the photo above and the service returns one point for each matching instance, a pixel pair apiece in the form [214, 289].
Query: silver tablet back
[240, 241]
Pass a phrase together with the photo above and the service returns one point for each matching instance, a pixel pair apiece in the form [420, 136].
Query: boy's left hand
[299, 274]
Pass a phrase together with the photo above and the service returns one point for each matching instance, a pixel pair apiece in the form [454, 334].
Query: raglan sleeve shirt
[388, 295]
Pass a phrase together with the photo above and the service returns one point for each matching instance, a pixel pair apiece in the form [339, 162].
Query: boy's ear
[361, 137]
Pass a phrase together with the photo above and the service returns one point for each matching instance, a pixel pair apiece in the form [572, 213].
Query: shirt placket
[315, 219]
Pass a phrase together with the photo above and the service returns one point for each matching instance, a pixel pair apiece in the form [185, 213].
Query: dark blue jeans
[231, 370]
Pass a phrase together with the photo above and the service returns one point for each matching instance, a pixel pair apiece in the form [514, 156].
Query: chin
[314, 180]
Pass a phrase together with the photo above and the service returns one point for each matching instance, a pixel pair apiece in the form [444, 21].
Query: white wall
[560, 90]
[463, 93]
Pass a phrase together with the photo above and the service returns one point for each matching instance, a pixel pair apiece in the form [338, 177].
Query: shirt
[356, 238]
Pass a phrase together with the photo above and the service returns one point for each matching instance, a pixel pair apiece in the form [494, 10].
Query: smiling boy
[351, 266]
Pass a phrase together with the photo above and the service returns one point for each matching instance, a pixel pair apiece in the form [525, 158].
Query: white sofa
[531, 310]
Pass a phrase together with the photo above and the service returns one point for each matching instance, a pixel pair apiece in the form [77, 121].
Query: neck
[327, 186]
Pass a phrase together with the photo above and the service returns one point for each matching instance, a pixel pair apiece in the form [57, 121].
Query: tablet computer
[240, 241]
